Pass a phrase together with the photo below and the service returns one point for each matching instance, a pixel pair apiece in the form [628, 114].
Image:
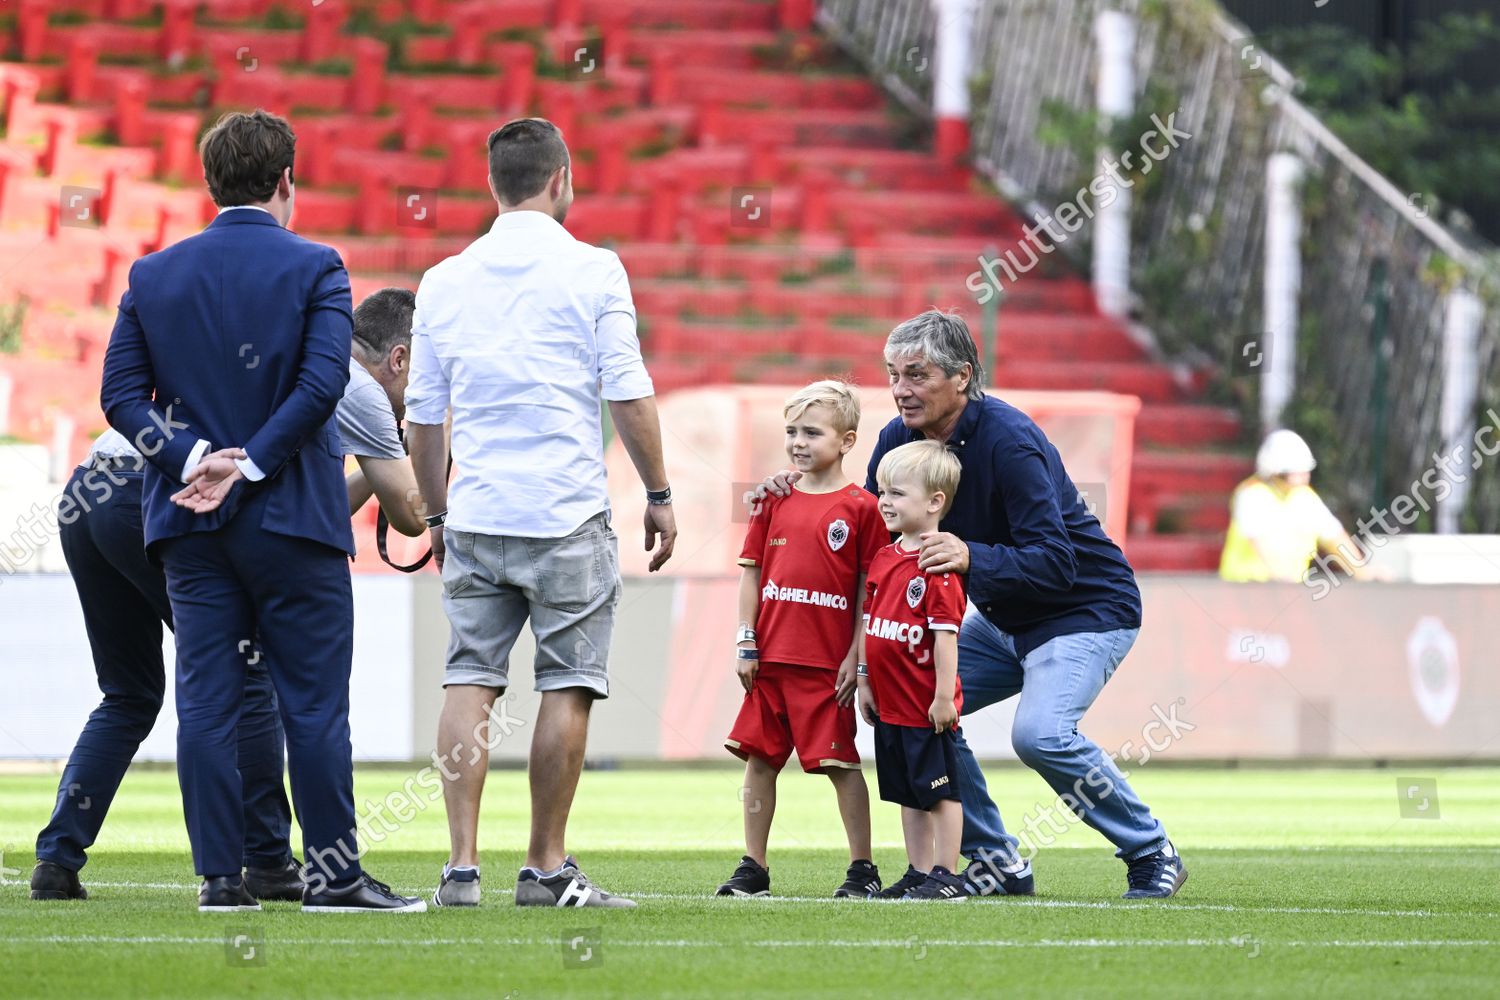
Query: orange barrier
[721, 440]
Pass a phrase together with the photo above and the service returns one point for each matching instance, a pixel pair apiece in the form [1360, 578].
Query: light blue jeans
[1057, 682]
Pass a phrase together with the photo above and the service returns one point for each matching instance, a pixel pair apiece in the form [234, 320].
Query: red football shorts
[793, 707]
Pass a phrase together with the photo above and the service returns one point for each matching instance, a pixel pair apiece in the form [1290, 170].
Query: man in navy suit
[238, 339]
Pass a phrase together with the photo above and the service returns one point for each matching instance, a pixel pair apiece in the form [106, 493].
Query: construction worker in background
[1278, 524]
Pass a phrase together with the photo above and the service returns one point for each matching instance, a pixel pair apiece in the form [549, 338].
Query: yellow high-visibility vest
[1288, 529]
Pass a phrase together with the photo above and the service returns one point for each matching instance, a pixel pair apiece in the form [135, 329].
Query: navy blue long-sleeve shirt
[1040, 564]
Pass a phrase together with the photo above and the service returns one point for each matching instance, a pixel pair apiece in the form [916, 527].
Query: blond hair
[927, 462]
[839, 397]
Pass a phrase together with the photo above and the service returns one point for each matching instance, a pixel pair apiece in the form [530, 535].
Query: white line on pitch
[1065, 904]
[551, 942]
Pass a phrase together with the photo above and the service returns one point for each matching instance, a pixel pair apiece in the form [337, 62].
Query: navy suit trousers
[124, 599]
[228, 585]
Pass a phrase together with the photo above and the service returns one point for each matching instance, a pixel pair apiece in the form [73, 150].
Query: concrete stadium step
[733, 15]
[1155, 474]
[720, 48]
[758, 88]
[1188, 425]
[1183, 513]
[875, 169]
[1082, 339]
[1192, 553]
[1151, 382]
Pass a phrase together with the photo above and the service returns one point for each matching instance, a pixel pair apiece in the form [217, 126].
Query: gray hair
[942, 338]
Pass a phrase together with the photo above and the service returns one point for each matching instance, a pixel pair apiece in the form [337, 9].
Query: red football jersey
[811, 549]
[903, 607]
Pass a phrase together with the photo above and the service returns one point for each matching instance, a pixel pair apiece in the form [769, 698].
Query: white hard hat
[1282, 453]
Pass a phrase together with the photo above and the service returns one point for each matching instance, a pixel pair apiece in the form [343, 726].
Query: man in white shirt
[522, 335]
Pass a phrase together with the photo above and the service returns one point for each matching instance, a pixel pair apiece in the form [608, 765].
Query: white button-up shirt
[523, 334]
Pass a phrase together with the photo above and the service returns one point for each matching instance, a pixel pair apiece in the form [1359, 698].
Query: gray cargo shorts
[568, 587]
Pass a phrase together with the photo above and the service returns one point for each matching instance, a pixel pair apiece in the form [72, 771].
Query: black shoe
[363, 895]
[991, 876]
[1156, 876]
[940, 884]
[861, 881]
[749, 879]
[283, 885]
[53, 881]
[225, 894]
[903, 885]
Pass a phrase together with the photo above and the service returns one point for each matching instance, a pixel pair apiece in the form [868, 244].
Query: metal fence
[1368, 393]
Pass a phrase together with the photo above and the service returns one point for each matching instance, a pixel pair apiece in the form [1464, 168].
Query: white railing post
[62, 443]
[953, 43]
[6, 384]
[1115, 97]
[1282, 285]
[1462, 315]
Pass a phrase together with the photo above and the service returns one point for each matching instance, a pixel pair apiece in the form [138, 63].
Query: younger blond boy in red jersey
[801, 594]
[908, 678]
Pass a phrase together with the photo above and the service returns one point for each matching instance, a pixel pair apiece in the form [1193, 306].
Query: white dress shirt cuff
[194, 457]
[250, 469]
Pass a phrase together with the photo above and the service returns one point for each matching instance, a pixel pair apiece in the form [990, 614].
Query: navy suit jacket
[238, 336]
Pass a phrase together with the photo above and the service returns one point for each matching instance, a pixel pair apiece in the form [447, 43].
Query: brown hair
[244, 155]
[523, 154]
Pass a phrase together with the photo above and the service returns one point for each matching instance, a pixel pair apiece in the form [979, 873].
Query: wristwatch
[436, 519]
[745, 634]
[659, 498]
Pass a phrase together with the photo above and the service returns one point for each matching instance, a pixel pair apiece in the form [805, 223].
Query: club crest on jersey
[838, 534]
[915, 591]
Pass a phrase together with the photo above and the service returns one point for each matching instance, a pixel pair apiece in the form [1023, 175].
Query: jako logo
[940, 782]
[800, 595]
[882, 628]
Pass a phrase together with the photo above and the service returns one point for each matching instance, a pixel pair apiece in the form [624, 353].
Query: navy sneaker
[568, 886]
[1156, 876]
[903, 885]
[940, 885]
[749, 879]
[458, 887]
[861, 881]
[991, 875]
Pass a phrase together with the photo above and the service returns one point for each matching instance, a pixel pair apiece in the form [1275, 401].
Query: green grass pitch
[1302, 883]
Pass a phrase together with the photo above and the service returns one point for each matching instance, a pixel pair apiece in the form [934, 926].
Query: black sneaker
[364, 895]
[53, 881]
[990, 875]
[1156, 876]
[861, 881]
[569, 887]
[940, 884]
[225, 894]
[903, 885]
[749, 879]
[282, 885]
